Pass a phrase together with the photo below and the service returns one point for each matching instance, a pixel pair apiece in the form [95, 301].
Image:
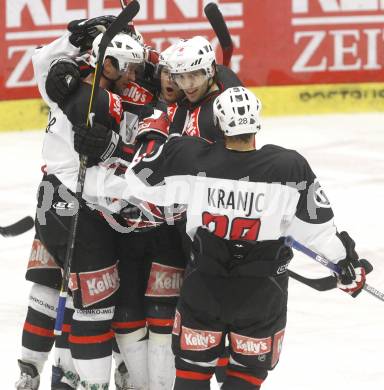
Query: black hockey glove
[62, 80]
[352, 277]
[85, 31]
[96, 141]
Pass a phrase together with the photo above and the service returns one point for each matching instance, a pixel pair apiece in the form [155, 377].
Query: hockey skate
[122, 378]
[29, 377]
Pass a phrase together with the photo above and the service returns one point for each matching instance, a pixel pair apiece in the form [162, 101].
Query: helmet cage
[237, 111]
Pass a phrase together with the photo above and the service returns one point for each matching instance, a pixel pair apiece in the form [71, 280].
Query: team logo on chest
[191, 127]
[135, 94]
[115, 107]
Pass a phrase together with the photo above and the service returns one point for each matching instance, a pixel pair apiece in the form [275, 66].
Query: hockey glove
[62, 80]
[153, 125]
[96, 141]
[85, 31]
[352, 277]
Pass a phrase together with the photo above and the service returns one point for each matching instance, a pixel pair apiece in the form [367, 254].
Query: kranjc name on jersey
[254, 196]
[58, 153]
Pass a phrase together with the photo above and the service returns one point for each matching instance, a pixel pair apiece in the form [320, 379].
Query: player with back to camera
[240, 202]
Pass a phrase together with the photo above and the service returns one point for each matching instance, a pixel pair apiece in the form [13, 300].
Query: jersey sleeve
[313, 222]
[45, 55]
[227, 77]
[159, 178]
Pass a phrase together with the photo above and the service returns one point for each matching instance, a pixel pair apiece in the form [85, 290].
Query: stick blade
[17, 228]
[321, 284]
[215, 17]
[366, 265]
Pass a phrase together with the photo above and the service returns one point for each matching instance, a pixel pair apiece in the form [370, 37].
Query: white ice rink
[333, 342]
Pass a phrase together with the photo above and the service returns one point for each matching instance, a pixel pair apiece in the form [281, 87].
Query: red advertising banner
[278, 42]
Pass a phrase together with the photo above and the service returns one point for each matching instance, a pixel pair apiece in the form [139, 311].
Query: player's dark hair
[114, 62]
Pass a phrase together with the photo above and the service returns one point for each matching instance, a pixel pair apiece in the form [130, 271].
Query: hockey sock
[122, 380]
[221, 367]
[134, 349]
[38, 338]
[244, 378]
[190, 380]
[90, 341]
[161, 361]
[192, 376]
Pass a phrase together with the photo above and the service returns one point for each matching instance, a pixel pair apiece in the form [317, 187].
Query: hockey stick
[215, 17]
[291, 242]
[320, 284]
[127, 14]
[18, 227]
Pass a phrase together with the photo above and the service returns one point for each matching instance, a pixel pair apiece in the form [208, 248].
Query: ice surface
[333, 342]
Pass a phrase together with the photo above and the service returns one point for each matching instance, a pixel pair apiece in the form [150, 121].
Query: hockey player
[95, 282]
[241, 201]
[192, 66]
[43, 270]
[159, 251]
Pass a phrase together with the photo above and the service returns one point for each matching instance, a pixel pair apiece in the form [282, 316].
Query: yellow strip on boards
[277, 100]
[321, 99]
[25, 114]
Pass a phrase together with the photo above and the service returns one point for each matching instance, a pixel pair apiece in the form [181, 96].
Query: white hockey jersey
[58, 152]
[254, 196]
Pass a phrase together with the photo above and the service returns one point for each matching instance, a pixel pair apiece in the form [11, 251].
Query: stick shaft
[289, 241]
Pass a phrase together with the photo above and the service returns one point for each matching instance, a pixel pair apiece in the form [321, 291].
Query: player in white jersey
[166, 257]
[96, 254]
[241, 201]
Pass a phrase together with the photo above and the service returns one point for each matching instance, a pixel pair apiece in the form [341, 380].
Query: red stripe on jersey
[129, 325]
[66, 328]
[37, 330]
[222, 362]
[100, 338]
[128, 150]
[160, 322]
[150, 147]
[248, 378]
[196, 376]
[115, 107]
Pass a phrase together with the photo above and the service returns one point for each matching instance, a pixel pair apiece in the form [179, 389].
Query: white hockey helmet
[237, 111]
[123, 48]
[166, 54]
[192, 54]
